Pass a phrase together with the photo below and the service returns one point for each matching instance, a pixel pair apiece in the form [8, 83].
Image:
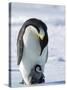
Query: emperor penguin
[32, 51]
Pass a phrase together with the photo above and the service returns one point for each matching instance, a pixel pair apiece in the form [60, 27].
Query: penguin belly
[31, 53]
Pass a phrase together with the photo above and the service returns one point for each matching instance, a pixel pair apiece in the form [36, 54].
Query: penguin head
[37, 26]
[38, 32]
[38, 68]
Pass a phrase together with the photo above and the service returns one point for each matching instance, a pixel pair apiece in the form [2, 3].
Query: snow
[55, 70]
[54, 73]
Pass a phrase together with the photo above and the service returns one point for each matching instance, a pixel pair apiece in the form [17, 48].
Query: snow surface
[54, 73]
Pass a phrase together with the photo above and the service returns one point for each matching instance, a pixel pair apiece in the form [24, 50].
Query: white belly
[32, 47]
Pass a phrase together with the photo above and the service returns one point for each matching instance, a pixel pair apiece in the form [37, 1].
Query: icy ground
[54, 70]
[54, 73]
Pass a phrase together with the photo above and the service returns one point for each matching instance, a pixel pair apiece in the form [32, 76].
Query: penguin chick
[36, 75]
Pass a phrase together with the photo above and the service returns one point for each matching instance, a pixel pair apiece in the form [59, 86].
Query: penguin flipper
[20, 46]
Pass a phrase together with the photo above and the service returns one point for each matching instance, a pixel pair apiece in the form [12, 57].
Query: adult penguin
[32, 50]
